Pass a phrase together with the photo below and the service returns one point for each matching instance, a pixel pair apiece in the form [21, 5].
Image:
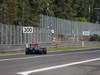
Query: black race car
[35, 49]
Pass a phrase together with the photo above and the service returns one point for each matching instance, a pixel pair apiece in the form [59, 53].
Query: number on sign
[27, 29]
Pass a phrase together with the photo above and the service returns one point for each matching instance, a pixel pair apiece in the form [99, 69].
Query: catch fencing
[66, 27]
[12, 36]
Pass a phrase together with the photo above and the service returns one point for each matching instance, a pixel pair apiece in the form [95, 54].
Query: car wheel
[45, 51]
[27, 53]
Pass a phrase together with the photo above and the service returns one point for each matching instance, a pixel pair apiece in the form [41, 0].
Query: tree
[63, 9]
[8, 14]
[26, 12]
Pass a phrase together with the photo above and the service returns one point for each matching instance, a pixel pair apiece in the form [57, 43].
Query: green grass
[12, 52]
[60, 48]
[70, 48]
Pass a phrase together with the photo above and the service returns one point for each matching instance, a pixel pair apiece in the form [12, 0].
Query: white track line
[57, 66]
[23, 58]
[11, 54]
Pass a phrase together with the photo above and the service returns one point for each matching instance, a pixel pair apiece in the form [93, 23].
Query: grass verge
[12, 52]
[71, 48]
[60, 48]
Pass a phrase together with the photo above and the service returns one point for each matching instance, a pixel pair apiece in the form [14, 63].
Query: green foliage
[25, 12]
[81, 19]
[8, 13]
[95, 37]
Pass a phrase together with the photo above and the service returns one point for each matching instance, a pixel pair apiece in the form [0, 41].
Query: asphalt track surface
[57, 63]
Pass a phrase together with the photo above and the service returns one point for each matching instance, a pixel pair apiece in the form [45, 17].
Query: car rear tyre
[45, 51]
[27, 53]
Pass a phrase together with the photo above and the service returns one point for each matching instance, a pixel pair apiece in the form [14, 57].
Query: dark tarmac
[14, 64]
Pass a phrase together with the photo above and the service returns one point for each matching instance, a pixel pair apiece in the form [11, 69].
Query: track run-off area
[55, 63]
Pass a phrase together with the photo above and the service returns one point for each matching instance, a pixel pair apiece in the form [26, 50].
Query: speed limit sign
[27, 29]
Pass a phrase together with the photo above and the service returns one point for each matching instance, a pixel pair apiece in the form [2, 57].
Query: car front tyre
[27, 53]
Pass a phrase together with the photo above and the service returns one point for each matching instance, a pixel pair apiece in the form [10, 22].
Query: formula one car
[35, 49]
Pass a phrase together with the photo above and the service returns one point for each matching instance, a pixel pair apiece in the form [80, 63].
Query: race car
[35, 49]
